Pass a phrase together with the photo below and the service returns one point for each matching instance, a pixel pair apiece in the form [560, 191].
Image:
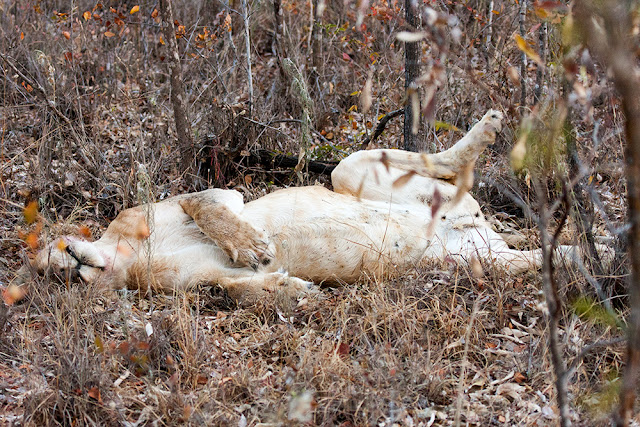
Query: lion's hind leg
[243, 243]
[256, 287]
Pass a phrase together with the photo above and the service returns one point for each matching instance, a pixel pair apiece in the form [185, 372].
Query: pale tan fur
[292, 238]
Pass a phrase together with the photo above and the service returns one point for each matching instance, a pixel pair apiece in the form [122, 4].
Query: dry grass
[393, 351]
[424, 349]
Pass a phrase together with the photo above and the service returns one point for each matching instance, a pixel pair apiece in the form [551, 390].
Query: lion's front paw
[251, 250]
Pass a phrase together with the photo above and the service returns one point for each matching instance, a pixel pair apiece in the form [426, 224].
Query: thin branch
[380, 127]
[552, 297]
[588, 349]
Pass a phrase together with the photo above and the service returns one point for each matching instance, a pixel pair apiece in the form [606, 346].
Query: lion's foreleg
[244, 244]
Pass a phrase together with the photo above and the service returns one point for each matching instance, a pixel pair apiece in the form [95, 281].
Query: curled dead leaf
[403, 180]
[94, 393]
[476, 268]
[464, 181]
[365, 96]
[384, 159]
[527, 50]
[518, 152]
[513, 75]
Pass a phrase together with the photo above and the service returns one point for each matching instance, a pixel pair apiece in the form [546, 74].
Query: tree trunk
[615, 50]
[316, 46]
[247, 40]
[411, 73]
[523, 56]
[178, 98]
[540, 74]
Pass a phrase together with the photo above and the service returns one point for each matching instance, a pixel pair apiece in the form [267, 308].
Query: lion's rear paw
[299, 285]
[493, 121]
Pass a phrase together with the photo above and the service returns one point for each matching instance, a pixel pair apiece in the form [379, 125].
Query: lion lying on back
[293, 238]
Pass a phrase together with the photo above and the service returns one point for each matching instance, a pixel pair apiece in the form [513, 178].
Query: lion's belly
[324, 236]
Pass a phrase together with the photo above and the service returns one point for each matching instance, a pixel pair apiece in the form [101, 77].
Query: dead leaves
[464, 182]
[30, 212]
[13, 294]
[527, 50]
[403, 180]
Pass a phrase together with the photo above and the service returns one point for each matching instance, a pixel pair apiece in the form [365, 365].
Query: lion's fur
[289, 239]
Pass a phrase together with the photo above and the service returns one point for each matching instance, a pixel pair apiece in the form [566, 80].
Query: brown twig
[552, 297]
[39, 90]
[380, 127]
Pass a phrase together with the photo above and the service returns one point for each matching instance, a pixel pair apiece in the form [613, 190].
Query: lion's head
[68, 257]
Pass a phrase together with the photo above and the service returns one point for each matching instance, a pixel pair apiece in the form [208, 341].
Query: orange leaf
[142, 230]
[186, 412]
[161, 41]
[66, 35]
[94, 393]
[403, 180]
[31, 212]
[21, 35]
[524, 47]
[12, 294]
[154, 14]
[86, 15]
[134, 9]
[32, 241]
[62, 245]
[109, 34]
[519, 377]
[84, 231]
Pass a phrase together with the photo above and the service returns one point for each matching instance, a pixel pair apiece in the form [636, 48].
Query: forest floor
[433, 347]
[436, 346]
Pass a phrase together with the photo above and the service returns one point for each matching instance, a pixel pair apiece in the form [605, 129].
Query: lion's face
[70, 257]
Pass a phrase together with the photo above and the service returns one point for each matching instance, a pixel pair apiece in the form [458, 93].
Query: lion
[389, 211]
